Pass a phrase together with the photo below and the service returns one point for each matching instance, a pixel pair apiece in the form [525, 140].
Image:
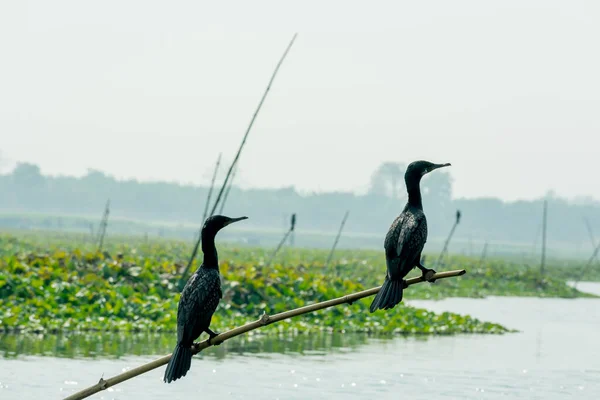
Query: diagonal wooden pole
[237, 156]
[590, 261]
[262, 100]
[103, 226]
[337, 239]
[182, 279]
[590, 231]
[264, 320]
[210, 190]
[226, 195]
[289, 231]
[544, 229]
[445, 249]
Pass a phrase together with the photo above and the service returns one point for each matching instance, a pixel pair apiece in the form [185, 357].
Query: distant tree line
[25, 189]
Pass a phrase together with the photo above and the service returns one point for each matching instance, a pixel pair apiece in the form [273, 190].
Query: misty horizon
[507, 93]
[223, 172]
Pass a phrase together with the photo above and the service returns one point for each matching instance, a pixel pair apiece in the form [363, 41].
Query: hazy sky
[507, 91]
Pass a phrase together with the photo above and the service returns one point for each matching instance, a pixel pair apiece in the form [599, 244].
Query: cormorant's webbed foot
[404, 284]
[211, 336]
[428, 273]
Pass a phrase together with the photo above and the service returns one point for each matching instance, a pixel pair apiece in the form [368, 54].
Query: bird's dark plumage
[405, 239]
[199, 300]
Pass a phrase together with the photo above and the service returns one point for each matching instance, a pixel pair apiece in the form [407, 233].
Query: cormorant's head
[217, 222]
[417, 169]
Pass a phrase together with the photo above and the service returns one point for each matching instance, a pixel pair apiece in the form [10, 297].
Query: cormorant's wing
[410, 232]
[198, 301]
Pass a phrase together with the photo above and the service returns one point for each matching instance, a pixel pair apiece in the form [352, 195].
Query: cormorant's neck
[414, 193]
[211, 258]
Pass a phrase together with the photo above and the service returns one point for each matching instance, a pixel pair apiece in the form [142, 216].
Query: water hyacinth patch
[64, 288]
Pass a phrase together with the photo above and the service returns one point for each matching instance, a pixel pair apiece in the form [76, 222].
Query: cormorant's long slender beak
[436, 166]
[237, 219]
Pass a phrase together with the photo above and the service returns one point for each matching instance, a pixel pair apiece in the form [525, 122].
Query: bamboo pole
[226, 195]
[590, 232]
[210, 190]
[445, 249]
[590, 261]
[337, 238]
[237, 156]
[483, 254]
[198, 236]
[544, 220]
[264, 320]
[103, 225]
[292, 226]
[262, 100]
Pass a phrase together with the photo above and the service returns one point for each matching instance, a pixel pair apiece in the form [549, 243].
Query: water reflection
[554, 356]
[117, 345]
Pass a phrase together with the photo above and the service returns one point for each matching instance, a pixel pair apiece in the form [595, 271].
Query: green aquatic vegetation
[62, 288]
[571, 271]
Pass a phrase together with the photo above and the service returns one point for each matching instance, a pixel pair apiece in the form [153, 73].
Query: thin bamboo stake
[483, 254]
[198, 236]
[103, 225]
[590, 261]
[210, 190]
[337, 238]
[445, 249]
[226, 195]
[237, 156]
[545, 218]
[264, 320]
[292, 227]
[590, 232]
[292, 232]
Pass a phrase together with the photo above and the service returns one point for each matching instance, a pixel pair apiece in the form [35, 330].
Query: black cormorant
[199, 300]
[405, 240]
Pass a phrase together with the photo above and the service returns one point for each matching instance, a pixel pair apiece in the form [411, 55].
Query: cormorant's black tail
[389, 295]
[179, 364]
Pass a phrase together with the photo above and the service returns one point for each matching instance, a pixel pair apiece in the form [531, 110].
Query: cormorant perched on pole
[405, 240]
[199, 300]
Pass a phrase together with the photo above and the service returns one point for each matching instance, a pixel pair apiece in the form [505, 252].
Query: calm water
[555, 356]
